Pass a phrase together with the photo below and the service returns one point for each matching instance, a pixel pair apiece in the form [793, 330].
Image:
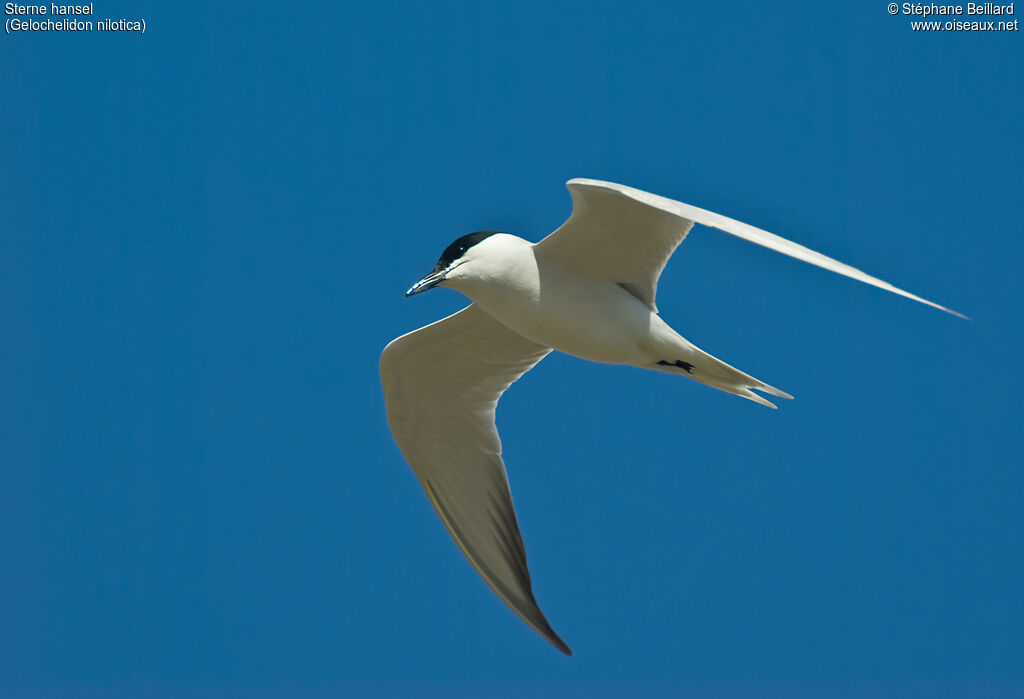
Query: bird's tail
[701, 366]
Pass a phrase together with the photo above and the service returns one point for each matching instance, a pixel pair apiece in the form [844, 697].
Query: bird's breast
[595, 320]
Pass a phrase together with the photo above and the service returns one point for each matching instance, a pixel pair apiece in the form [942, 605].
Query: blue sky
[207, 231]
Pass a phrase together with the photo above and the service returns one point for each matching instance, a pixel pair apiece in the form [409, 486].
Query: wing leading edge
[617, 231]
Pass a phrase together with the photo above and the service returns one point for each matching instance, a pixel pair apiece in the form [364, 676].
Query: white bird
[587, 290]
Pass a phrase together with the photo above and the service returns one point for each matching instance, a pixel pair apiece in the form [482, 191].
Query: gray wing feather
[617, 238]
[622, 234]
[441, 386]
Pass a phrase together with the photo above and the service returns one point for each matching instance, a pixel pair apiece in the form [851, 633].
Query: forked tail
[701, 366]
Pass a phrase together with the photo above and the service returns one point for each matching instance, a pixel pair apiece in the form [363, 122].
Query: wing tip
[545, 630]
[940, 307]
[926, 302]
[535, 619]
[958, 314]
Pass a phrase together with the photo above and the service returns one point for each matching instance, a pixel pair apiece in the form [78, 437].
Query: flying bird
[588, 290]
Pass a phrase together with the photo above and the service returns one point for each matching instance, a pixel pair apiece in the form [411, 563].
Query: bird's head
[459, 260]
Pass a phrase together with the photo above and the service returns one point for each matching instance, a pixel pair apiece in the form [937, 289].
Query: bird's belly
[600, 322]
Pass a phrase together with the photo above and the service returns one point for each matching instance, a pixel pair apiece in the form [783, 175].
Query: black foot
[685, 366]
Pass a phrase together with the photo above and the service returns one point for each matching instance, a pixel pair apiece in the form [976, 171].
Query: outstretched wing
[441, 386]
[617, 233]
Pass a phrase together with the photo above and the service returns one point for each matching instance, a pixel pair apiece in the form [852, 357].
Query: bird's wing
[441, 386]
[617, 233]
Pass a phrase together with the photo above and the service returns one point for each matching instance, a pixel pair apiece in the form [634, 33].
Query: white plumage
[588, 289]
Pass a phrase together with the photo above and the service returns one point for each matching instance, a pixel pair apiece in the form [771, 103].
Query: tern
[588, 290]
